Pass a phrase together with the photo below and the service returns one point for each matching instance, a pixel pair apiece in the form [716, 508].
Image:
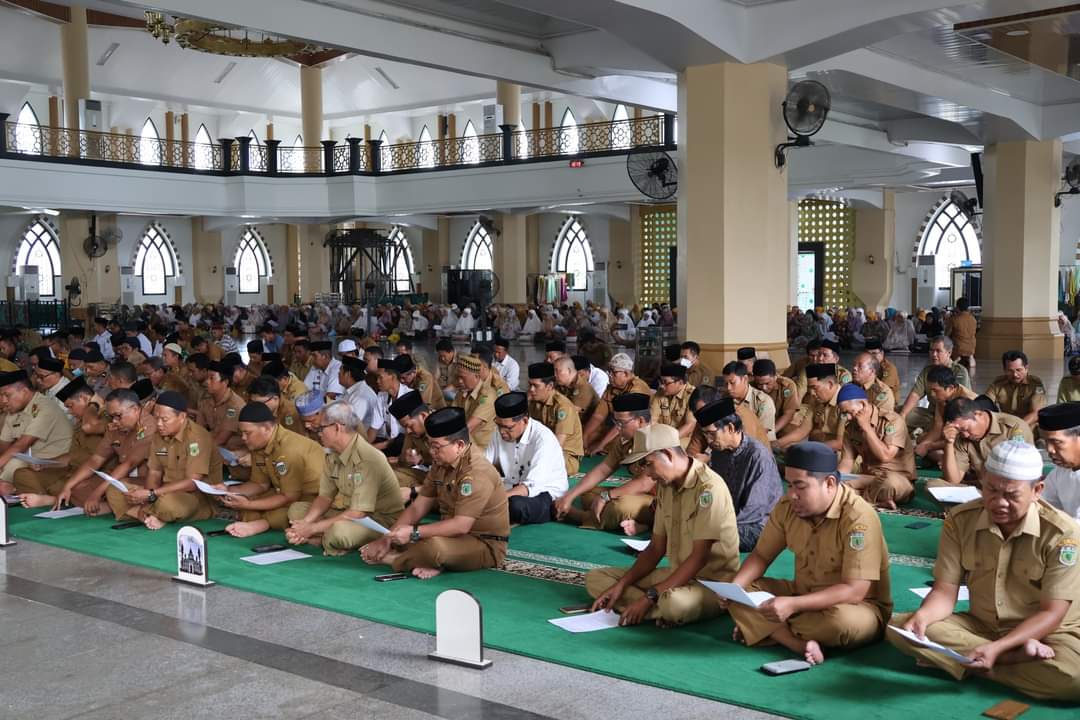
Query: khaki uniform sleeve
[327, 485]
[564, 421]
[863, 556]
[1038, 400]
[1061, 578]
[473, 504]
[773, 538]
[105, 447]
[365, 492]
[962, 376]
[42, 425]
[714, 514]
[154, 461]
[948, 567]
[963, 460]
[200, 464]
[428, 488]
[1022, 431]
[919, 388]
[261, 475]
[292, 482]
[896, 433]
[789, 399]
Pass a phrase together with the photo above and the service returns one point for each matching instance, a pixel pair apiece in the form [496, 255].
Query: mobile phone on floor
[917, 525]
[575, 609]
[391, 576]
[219, 533]
[783, 667]
[268, 548]
[126, 525]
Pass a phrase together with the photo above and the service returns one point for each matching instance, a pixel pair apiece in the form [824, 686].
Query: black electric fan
[653, 173]
[805, 109]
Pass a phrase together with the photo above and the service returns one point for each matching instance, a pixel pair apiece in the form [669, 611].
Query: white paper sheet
[957, 494]
[57, 514]
[962, 596]
[112, 481]
[590, 622]
[210, 489]
[228, 456]
[273, 558]
[931, 645]
[34, 460]
[370, 525]
[634, 544]
[735, 593]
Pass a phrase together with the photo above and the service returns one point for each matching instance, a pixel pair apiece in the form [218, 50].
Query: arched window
[204, 153]
[399, 264]
[256, 159]
[27, 131]
[298, 142]
[251, 262]
[573, 253]
[571, 143]
[154, 260]
[149, 144]
[39, 247]
[478, 253]
[470, 147]
[620, 128]
[425, 150]
[387, 159]
[951, 237]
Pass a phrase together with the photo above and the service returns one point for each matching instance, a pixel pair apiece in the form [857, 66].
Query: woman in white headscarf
[647, 319]
[625, 331]
[465, 323]
[419, 323]
[532, 324]
[449, 321]
[509, 327]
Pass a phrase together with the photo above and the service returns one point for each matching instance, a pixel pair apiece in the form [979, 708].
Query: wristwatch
[652, 595]
[415, 535]
[605, 495]
[152, 497]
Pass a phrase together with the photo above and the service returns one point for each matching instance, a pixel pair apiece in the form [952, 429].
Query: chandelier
[221, 39]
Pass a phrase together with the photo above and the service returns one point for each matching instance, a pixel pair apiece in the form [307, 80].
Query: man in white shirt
[324, 369]
[598, 379]
[506, 365]
[1059, 426]
[103, 338]
[529, 458]
[391, 436]
[360, 396]
[145, 346]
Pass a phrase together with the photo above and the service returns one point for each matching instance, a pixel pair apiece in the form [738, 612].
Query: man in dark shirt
[747, 466]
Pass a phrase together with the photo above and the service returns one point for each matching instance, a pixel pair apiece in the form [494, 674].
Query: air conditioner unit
[90, 114]
[925, 281]
[493, 118]
[27, 286]
[232, 286]
[127, 285]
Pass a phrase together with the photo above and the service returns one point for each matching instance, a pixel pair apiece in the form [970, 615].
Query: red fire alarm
[577, 163]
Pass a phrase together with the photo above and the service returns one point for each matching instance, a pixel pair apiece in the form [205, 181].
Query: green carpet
[871, 683]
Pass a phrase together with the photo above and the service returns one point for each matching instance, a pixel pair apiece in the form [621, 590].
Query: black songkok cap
[581, 362]
[872, 344]
[70, 389]
[269, 357]
[820, 371]
[710, 414]
[255, 347]
[222, 368]
[812, 457]
[541, 371]
[94, 356]
[321, 346]
[275, 369]
[831, 345]
[673, 370]
[10, 378]
[555, 346]
[745, 353]
[143, 388]
[1062, 416]
[502, 342]
[77, 354]
[403, 363]
[353, 363]
[406, 405]
[764, 367]
[172, 399]
[48, 362]
[256, 412]
[672, 352]
[199, 360]
[630, 402]
[446, 421]
[512, 405]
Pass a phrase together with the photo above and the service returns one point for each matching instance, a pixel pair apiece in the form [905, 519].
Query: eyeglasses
[437, 448]
[320, 428]
[622, 423]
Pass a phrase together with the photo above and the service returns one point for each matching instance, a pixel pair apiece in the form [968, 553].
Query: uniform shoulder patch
[705, 499]
[141, 434]
[281, 467]
[357, 477]
[561, 415]
[422, 387]
[466, 489]
[889, 429]
[787, 392]
[1067, 552]
[34, 410]
[857, 539]
[193, 449]
[231, 412]
[881, 396]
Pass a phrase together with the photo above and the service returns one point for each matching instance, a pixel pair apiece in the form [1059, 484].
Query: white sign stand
[192, 564]
[5, 538]
[459, 630]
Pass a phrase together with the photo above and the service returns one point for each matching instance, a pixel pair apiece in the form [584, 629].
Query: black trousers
[748, 536]
[393, 449]
[530, 510]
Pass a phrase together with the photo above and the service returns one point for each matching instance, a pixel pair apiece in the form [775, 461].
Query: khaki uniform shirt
[471, 487]
[288, 417]
[962, 331]
[1018, 400]
[429, 390]
[83, 445]
[785, 395]
[701, 509]
[890, 376]
[825, 418]
[616, 451]
[480, 403]
[42, 418]
[891, 429]
[880, 396]
[636, 385]
[224, 415]
[919, 388]
[497, 384]
[796, 368]
[1008, 578]
[294, 389]
[671, 410]
[1069, 390]
[972, 454]
[290, 463]
[299, 370]
[448, 373]
[699, 374]
[420, 445]
[583, 396]
[560, 416]
[129, 447]
[762, 405]
[176, 382]
[847, 544]
[189, 453]
[361, 479]
[843, 377]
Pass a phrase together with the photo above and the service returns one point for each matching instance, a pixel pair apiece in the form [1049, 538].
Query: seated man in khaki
[782, 390]
[181, 453]
[285, 469]
[865, 373]
[551, 408]
[628, 508]
[355, 483]
[1018, 557]
[412, 464]
[940, 356]
[820, 420]
[1016, 391]
[941, 387]
[40, 486]
[737, 383]
[599, 431]
[970, 433]
[840, 596]
[671, 403]
[34, 425]
[476, 398]
[695, 528]
[879, 439]
[474, 517]
[572, 380]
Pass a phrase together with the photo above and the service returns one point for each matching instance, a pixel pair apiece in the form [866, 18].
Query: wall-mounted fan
[95, 245]
[805, 109]
[968, 206]
[1072, 179]
[653, 173]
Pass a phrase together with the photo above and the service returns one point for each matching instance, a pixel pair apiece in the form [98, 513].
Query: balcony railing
[240, 155]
